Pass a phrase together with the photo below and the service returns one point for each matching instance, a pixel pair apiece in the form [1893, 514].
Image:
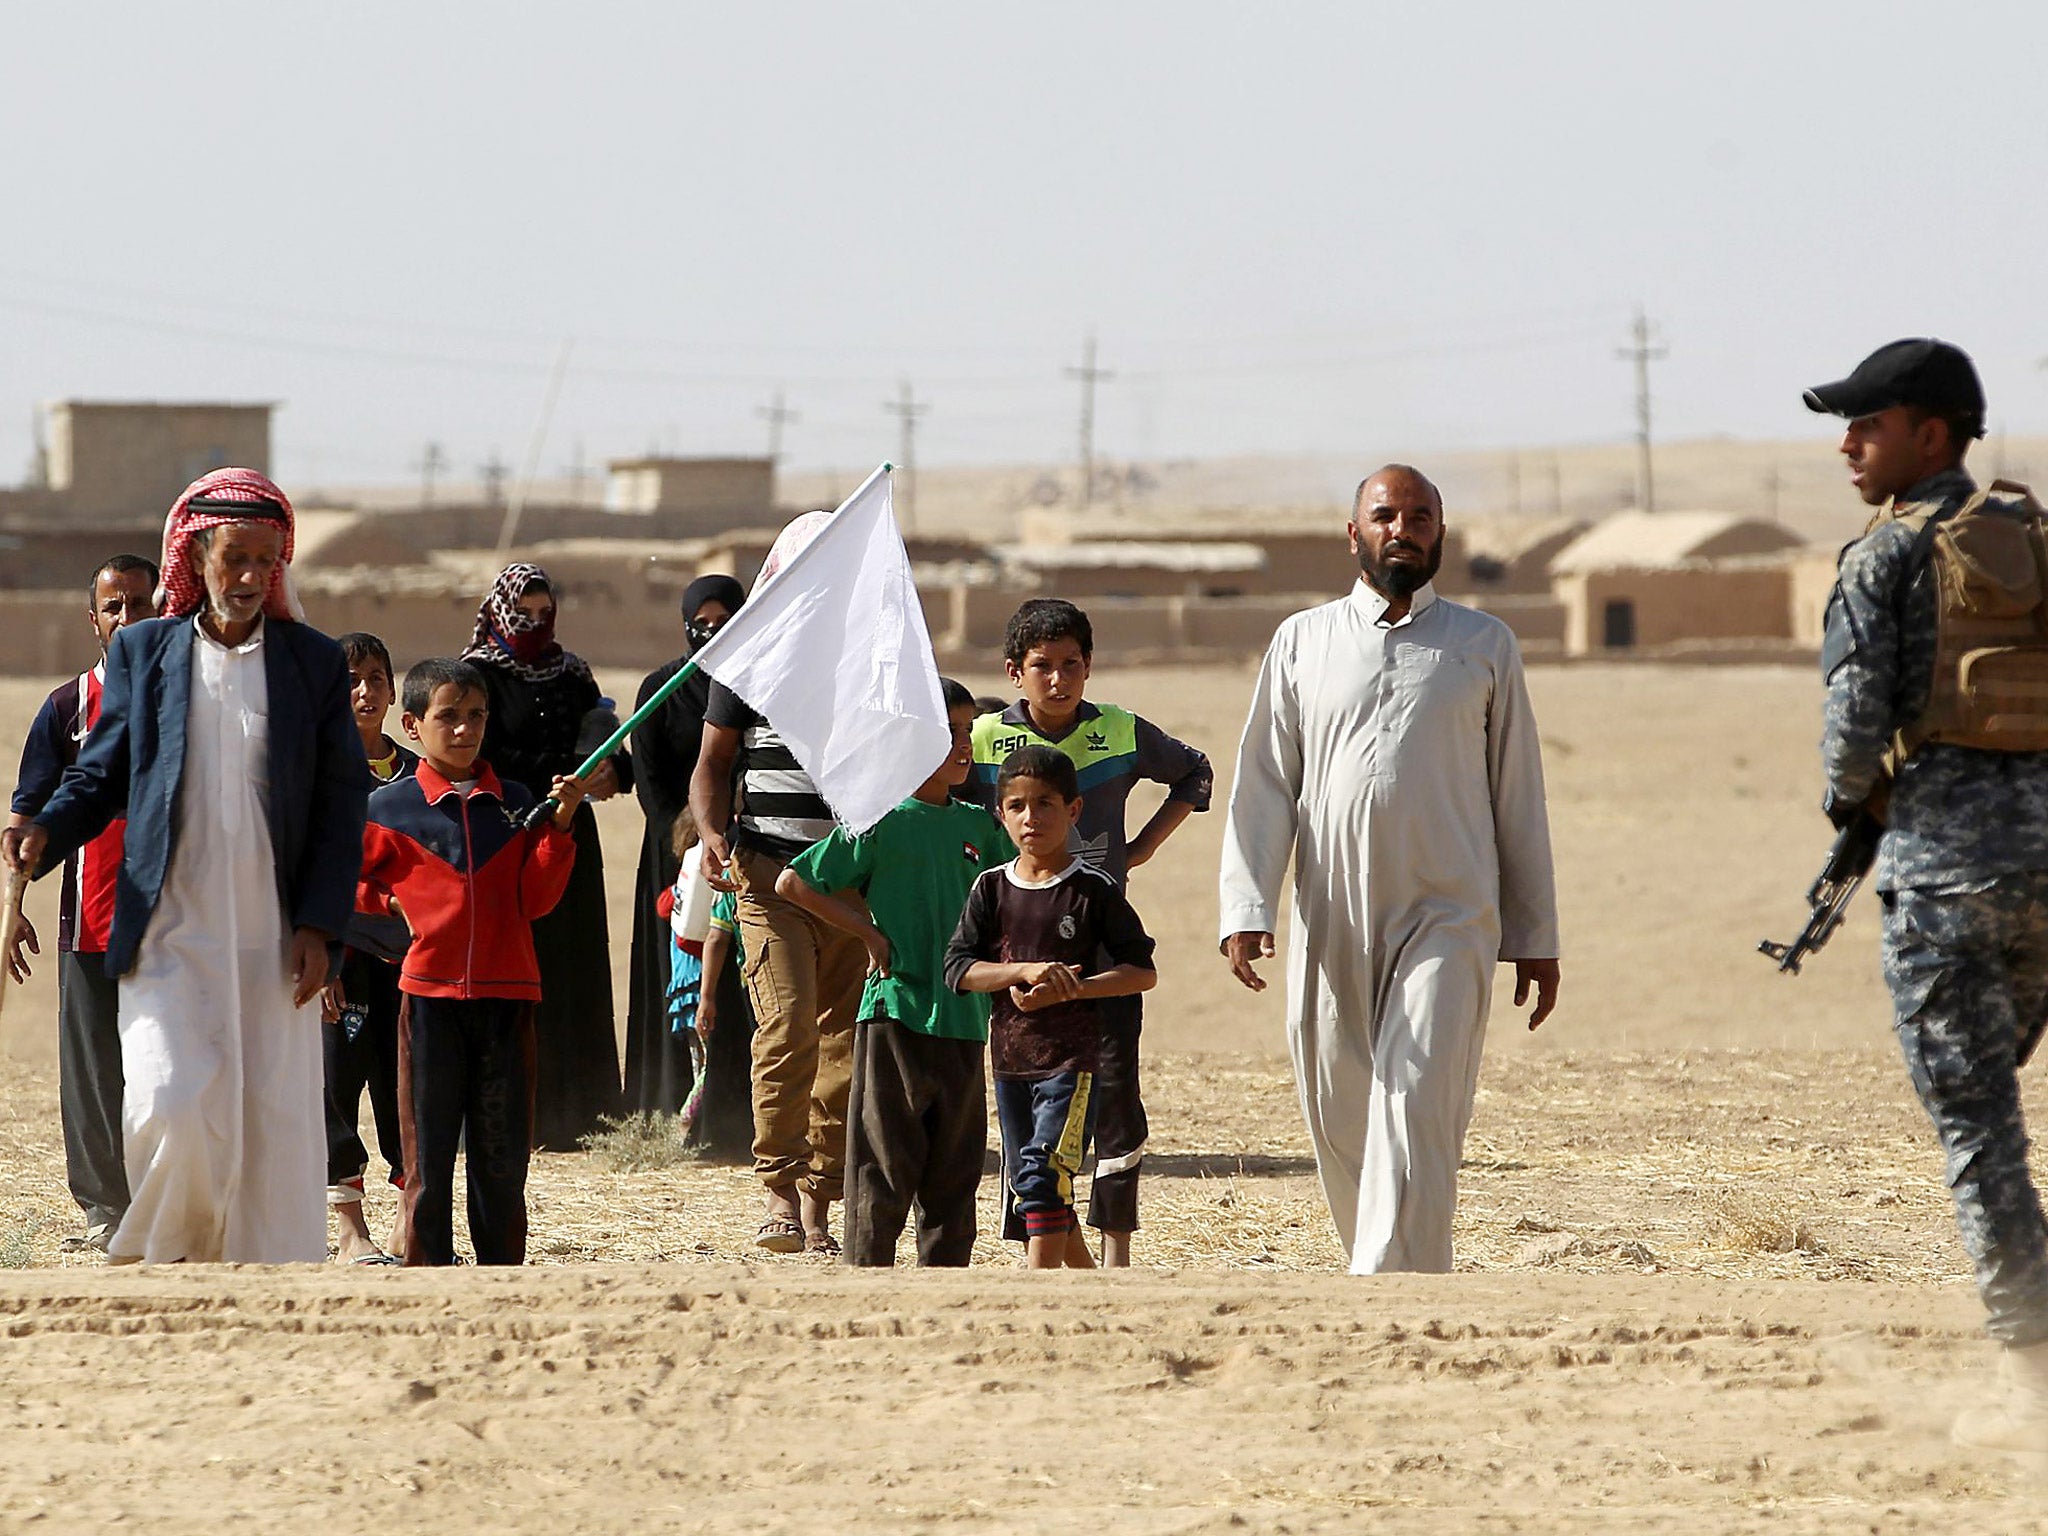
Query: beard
[1394, 579]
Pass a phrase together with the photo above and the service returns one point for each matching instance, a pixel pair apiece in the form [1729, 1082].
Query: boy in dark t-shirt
[1049, 654]
[917, 1117]
[1032, 934]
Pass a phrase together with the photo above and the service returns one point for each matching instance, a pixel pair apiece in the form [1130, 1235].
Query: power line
[1089, 375]
[509, 529]
[1642, 354]
[906, 408]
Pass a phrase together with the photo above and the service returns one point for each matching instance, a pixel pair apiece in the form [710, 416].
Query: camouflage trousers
[1968, 972]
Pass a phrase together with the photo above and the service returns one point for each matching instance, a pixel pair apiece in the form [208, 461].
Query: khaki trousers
[804, 979]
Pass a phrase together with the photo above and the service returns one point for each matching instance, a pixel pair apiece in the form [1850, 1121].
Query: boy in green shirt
[917, 1118]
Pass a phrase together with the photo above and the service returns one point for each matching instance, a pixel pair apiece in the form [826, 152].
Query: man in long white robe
[226, 736]
[1391, 753]
[221, 1118]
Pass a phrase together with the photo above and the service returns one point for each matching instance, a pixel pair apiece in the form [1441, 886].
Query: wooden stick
[10, 925]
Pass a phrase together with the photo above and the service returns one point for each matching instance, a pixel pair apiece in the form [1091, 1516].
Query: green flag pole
[617, 739]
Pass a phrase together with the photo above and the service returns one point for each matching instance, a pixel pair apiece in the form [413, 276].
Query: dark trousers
[360, 1050]
[89, 1086]
[1968, 973]
[1120, 1125]
[916, 1131]
[1045, 1134]
[465, 1079]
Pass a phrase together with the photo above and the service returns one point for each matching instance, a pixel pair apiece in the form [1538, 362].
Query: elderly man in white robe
[226, 736]
[1391, 754]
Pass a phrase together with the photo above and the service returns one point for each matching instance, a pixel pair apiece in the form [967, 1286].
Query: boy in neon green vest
[1048, 652]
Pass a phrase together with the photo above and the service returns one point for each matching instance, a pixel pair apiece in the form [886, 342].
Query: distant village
[1697, 585]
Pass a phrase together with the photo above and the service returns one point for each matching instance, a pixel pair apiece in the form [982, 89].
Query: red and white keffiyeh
[182, 589]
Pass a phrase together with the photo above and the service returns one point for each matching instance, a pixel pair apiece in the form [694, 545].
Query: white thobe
[1398, 765]
[221, 1114]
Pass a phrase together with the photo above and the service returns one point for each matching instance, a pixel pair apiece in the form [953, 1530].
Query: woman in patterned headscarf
[543, 700]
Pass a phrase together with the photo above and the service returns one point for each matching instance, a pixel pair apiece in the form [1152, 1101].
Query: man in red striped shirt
[88, 1038]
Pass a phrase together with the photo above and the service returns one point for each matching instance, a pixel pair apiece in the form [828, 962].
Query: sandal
[780, 1234]
[821, 1241]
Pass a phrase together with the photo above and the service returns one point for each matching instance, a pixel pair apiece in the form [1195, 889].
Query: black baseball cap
[1918, 371]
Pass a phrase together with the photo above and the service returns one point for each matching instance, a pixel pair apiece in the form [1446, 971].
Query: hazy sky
[1296, 227]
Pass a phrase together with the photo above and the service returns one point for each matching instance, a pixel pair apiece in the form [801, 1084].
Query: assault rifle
[1848, 862]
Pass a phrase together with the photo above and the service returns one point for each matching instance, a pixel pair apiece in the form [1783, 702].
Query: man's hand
[1544, 975]
[603, 782]
[308, 964]
[717, 865]
[22, 848]
[707, 1016]
[332, 1001]
[1241, 949]
[17, 962]
[877, 945]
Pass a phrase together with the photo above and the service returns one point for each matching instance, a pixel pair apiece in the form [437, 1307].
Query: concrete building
[689, 497]
[1676, 578]
[1299, 553]
[1135, 568]
[122, 464]
[109, 473]
[1512, 556]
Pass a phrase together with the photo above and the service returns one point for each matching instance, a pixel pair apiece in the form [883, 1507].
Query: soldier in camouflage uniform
[1962, 871]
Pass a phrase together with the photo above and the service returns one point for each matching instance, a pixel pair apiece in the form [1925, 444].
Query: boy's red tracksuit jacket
[470, 879]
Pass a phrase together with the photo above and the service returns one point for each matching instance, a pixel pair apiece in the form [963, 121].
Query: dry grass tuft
[640, 1143]
[18, 1241]
[1758, 1221]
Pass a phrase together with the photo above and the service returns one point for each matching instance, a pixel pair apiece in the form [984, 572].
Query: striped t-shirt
[777, 810]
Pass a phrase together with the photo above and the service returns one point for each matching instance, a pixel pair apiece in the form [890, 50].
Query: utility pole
[1088, 374]
[432, 462]
[1642, 354]
[494, 471]
[1556, 487]
[906, 408]
[776, 414]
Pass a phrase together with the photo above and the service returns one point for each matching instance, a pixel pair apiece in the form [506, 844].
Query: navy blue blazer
[134, 761]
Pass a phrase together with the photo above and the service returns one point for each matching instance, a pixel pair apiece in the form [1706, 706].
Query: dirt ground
[1707, 1271]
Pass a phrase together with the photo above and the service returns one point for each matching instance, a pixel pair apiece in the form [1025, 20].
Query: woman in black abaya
[658, 1073]
[540, 699]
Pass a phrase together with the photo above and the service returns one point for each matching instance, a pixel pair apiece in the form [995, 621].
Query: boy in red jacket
[445, 850]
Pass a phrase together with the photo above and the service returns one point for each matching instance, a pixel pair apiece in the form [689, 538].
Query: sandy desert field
[1707, 1280]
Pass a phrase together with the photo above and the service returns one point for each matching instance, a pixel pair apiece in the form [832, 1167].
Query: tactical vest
[1990, 560]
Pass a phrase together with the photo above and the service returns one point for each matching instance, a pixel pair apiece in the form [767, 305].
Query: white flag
[832, 649]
